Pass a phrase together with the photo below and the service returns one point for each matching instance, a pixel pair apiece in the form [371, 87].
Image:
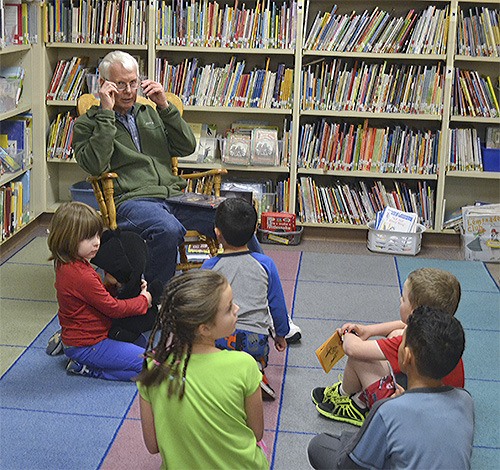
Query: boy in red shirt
[372, 364]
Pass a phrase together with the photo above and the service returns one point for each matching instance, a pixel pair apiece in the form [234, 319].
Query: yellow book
[330, 352]
[492, 92]
[19, 207]
[467, 97]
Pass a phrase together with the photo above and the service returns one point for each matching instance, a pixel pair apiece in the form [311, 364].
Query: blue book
[16, 132]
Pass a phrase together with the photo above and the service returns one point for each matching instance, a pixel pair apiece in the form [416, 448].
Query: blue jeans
[255, 344]
[109, 359]
[162, 225]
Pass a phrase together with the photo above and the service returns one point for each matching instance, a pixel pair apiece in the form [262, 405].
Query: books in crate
[396, 221]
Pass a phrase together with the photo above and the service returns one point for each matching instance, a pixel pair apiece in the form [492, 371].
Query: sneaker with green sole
[327, 394]
[344, 409]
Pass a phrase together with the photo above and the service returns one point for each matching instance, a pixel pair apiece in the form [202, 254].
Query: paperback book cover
[330, 352]
[397, 221]
[237, 150]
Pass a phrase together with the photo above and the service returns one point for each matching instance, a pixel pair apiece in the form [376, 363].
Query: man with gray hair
[138, 143]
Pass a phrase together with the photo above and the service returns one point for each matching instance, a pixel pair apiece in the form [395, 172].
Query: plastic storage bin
[83, 192]
[280, 238]
[398, 243]
[491, 159]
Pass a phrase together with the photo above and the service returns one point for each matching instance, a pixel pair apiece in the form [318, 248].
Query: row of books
[282, 190]
[357, 203]
[347, 147]
[478, 32]
[473, 95]
[208, 24]
[96, 21]
[14, 205]
[60, 137]
[268, 25]
[68, 79]
[424, 32]
[465, 151]
[18, 23]
[230, 85]
[341, 85]
[16, 143]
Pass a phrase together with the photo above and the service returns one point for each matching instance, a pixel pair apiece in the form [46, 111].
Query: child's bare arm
[280, 343]
[148, 426]
[367, 331]
[255, 413]
[357, 348]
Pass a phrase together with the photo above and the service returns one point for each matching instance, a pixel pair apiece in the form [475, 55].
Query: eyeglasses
[122, 86]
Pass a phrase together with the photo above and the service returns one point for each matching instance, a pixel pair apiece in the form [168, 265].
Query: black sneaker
[73, 367]
[55, 346]
[344, 410]
[295, 333]
[267, 391]
[326, 394]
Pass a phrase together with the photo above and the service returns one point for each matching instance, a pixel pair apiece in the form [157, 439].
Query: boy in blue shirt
[431, 425]
[256, 286]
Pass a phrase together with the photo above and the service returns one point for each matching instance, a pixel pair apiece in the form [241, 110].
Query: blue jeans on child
[255, 344]
[162, 225]
[109, 359]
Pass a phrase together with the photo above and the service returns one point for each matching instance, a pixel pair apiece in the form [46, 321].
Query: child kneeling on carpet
[86, 308]
[200, 407]
[428, 426]
[256, 286]
[372, 364]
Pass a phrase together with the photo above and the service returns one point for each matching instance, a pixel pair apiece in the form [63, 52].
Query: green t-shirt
[207, 429]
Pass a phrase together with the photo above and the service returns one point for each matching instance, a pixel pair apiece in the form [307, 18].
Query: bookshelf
[427, 71]
[17, 56]
[482, 186]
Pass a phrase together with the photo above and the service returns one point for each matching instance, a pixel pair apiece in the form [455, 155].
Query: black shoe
[55, 346]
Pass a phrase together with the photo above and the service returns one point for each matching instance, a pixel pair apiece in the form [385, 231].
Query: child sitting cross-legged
[86, 308]
[431, 425]
[372, 364]
[200, 407]
[256, 286]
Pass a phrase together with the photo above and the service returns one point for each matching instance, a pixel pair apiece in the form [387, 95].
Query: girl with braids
[201, 407]
[86, 308]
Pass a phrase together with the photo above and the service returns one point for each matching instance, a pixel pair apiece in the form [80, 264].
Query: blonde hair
[434, 288]
[189, 300]
[72, 223]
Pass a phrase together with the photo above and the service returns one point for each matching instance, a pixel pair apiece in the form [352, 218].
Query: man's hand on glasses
[155, 92]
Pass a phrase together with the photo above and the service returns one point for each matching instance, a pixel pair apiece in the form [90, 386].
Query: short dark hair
[436, 340]
[236, 219]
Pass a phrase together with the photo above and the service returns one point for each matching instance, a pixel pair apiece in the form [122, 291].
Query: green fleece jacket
[102, 143]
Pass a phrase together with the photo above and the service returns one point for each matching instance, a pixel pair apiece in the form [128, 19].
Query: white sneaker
[294, 334]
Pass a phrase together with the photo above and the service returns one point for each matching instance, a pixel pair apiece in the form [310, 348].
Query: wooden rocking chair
[205, 182]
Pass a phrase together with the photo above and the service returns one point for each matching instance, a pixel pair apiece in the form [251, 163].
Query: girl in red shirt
[86, 308]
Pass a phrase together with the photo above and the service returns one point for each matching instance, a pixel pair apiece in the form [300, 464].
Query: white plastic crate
[398, 243]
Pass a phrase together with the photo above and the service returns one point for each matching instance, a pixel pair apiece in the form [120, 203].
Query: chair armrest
[203, 174]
